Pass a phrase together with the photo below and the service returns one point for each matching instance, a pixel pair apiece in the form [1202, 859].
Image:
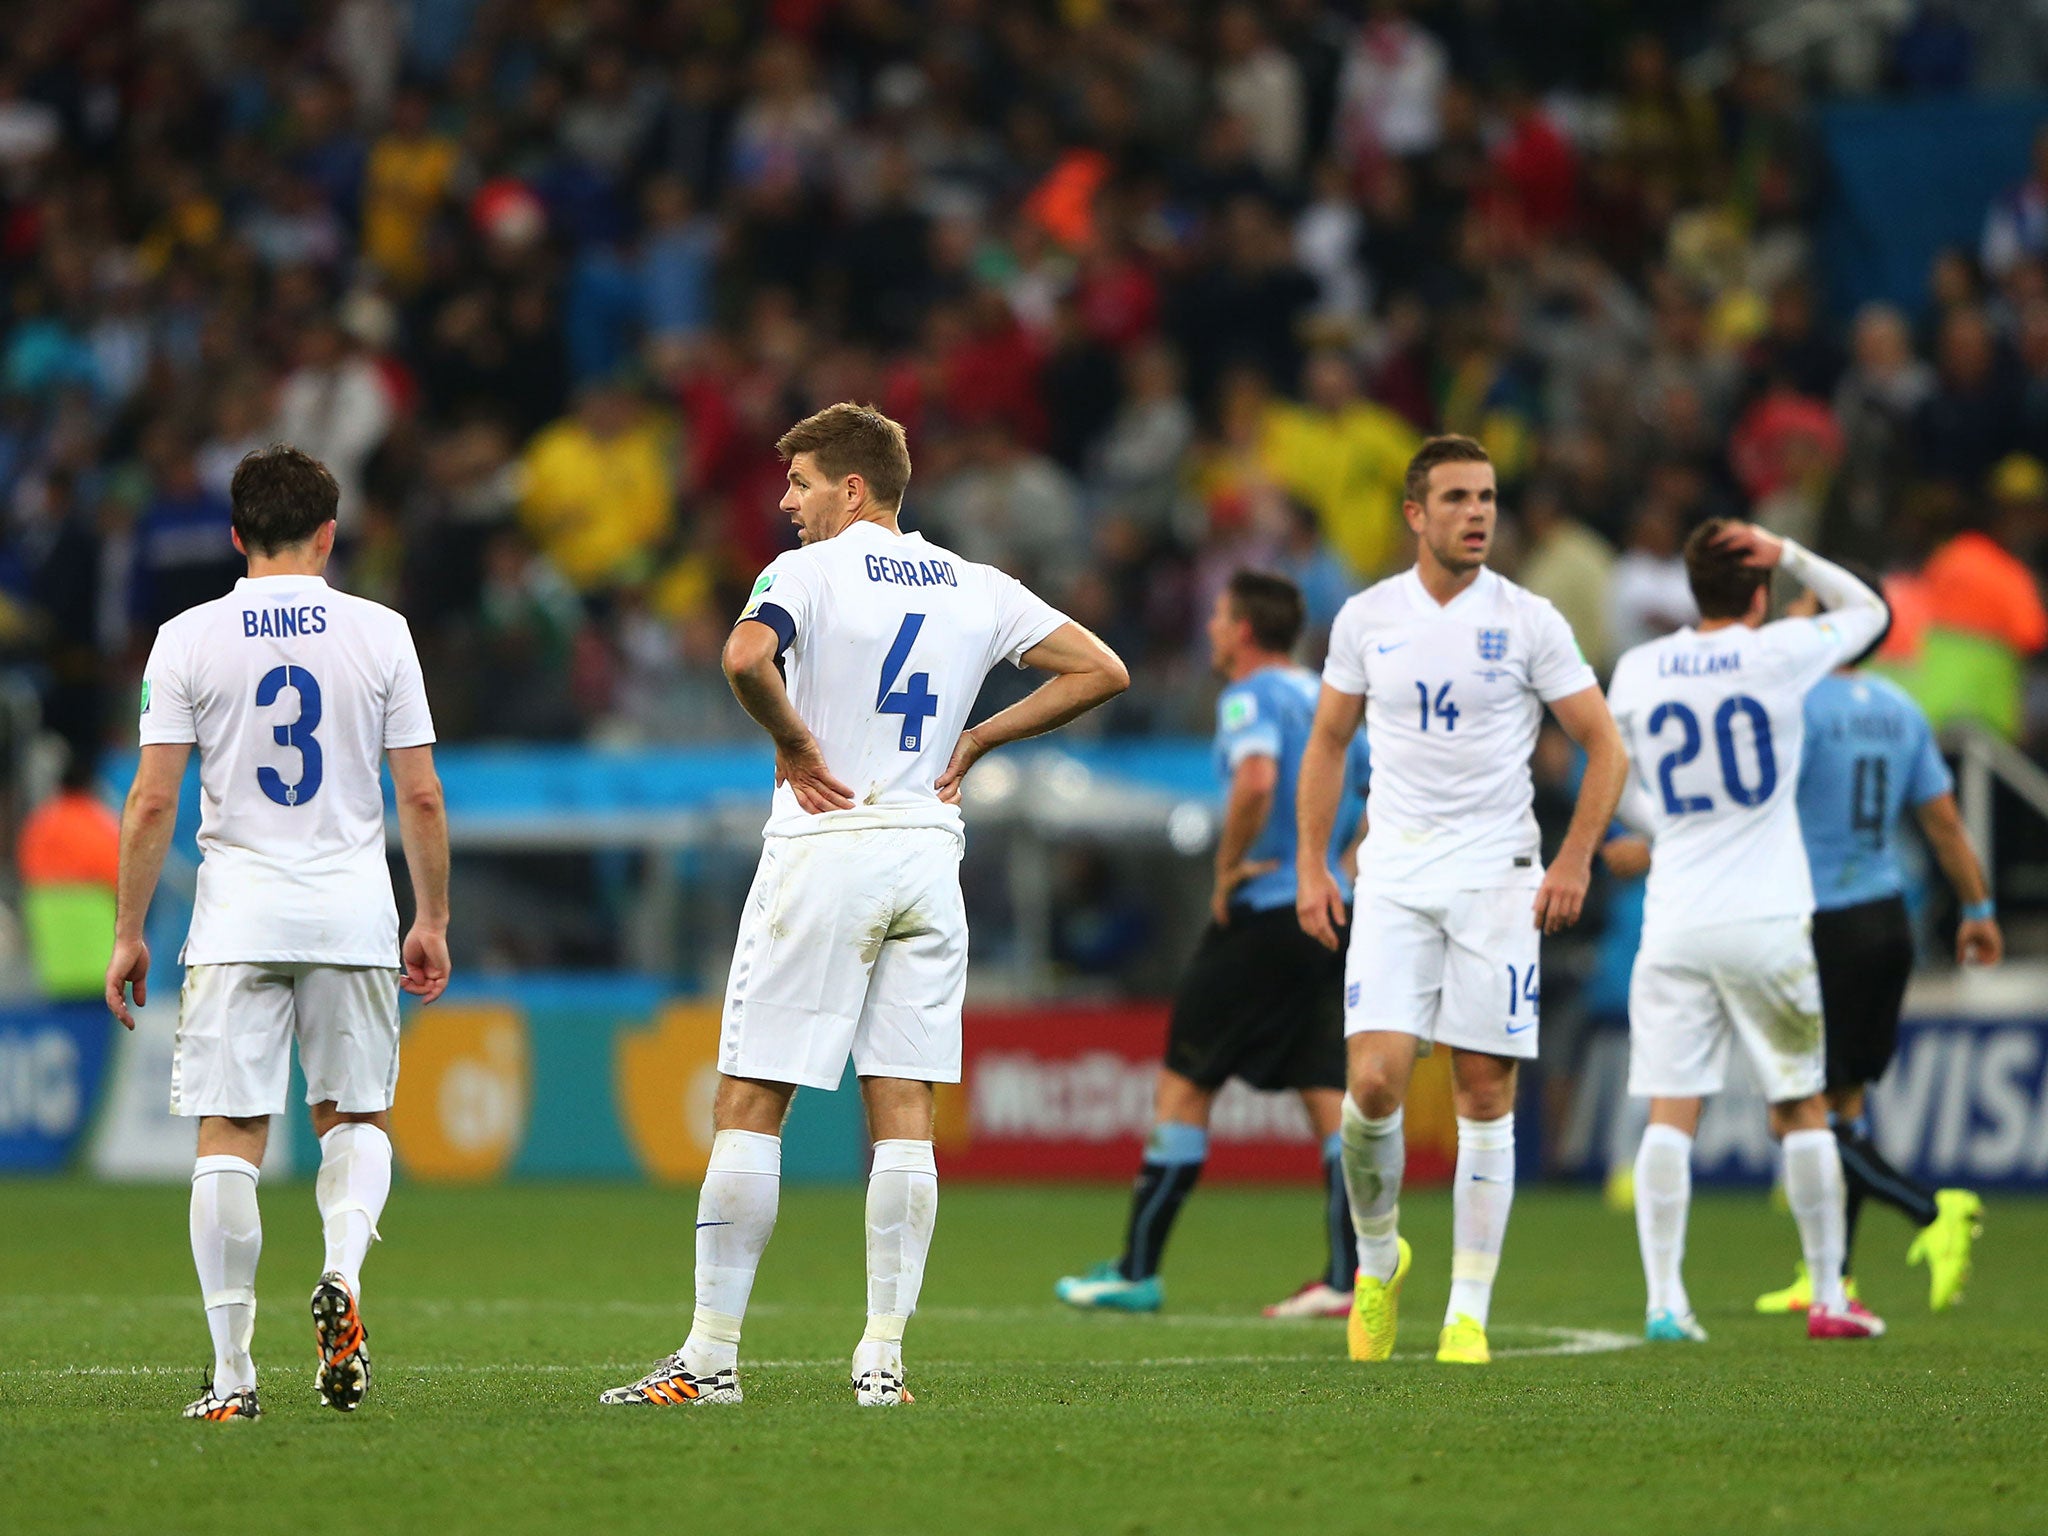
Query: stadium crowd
[1159, 290]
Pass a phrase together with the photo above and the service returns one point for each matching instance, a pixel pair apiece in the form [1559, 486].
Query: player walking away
[293, 693]
[1450, 665]
[1715, 722]
[1870, 756]
[854, 939]
[1261, 1000]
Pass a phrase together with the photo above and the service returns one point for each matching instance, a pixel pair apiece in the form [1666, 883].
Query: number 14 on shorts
[1525, 996]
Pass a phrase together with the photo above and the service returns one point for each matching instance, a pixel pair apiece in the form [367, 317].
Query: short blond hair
[848, 439]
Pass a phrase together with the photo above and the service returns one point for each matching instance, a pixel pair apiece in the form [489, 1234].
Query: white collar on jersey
[1418, 594]
[256, 581]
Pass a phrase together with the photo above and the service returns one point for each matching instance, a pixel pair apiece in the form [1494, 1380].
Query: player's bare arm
[1244, 817]
[749, 661]
[147, 820]
[1978, 939]
[1318, 902]
[423, 830]
[1086, 672]
[1628, 857]
[1586, 719]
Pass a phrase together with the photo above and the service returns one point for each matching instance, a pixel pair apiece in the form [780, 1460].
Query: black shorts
[1261, 1001]
[1865, 955]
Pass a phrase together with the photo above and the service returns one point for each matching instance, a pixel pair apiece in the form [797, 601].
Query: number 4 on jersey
[915, 702]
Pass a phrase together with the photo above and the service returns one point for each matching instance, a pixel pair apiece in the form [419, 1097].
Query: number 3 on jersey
[299, 734]
[915, 702]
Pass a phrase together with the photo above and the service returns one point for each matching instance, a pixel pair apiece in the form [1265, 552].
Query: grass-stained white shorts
[852, 943]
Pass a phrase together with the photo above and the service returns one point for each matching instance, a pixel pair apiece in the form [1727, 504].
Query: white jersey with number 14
[886, 640]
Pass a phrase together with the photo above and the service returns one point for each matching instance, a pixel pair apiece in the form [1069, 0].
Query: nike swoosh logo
[1484, 1178]
[1394, 647]
[703, 1224]
[1516, 1029]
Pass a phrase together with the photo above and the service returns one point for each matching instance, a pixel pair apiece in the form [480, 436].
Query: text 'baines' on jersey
[283, 623]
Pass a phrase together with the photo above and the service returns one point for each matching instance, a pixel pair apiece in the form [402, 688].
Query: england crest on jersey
[1493, 644]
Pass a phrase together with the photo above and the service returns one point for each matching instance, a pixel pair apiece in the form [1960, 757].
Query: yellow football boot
[1376, 1310]
[1944, 1245]
[1463, 1342]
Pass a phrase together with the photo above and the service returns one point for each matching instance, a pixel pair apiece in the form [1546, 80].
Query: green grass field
[498, 1314]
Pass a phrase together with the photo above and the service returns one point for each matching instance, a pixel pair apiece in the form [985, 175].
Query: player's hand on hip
[1228, 882]
[1319, 906]
[803, 770]
[426, 964]
[967, 751]
[1979, 942]
[1562, 895]
[129, 965]
[1761, 548]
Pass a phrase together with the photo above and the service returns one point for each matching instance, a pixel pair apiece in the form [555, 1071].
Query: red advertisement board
[1066, 1093]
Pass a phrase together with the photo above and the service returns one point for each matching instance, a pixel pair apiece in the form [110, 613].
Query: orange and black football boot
[344, 1374]
[216, 1409]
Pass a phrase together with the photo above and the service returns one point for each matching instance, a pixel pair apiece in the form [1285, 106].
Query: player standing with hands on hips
[860, 655]
[293, 693]
[1450, 665]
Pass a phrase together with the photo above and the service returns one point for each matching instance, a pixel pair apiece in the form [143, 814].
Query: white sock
[1480, 1202]
[353, 1184]
[227, 1238]
[1813, 1187]
[1663, 1198]
[1375, 1153]
[735, 1216]
[903, 1205]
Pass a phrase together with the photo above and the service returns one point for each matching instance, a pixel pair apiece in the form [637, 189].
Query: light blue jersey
[1268, 714]
[1870, 757]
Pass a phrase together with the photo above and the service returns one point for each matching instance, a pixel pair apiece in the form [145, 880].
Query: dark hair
[1723, 580]
[280, 497]
[848, 439]
[1451, 448]
[1271, 605]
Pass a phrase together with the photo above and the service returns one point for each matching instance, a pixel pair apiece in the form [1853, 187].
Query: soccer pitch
[497, 1315]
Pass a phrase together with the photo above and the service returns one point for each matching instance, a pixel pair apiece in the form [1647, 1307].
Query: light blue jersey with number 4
[1715, 725]
[885, 640]
[292, 692]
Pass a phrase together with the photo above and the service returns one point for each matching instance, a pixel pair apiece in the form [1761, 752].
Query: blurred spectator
[1971, 420]
[1565, 561]
[1984, 610]
[69, 857]
[1346, 457]
[1258, 82]
[409, 176]
[1011, 507]
[1879, 399]
[1138, 465]
[598, 492]
[1391, 92]
[335, 406]
[2016, 227]
[184, 550]
[1649, 594]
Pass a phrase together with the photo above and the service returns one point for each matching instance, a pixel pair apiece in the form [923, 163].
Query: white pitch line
[1562, 1341]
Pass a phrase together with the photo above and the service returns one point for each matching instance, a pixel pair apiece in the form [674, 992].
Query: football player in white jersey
[294, 694]
[860, 654]
[1450, 665]
[1715, 720]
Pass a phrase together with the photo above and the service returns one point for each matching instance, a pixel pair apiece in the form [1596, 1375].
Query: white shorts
[851, 943]
[1456, 967]
[1692, 991]
[236, 1024]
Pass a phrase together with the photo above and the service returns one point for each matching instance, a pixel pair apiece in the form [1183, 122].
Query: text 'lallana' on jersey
[1710, 665]
[911, 573]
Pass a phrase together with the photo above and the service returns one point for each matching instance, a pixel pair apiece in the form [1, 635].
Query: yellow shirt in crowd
[598, 506]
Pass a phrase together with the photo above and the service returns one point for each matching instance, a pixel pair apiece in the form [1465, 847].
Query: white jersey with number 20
[292, 691]
[887, 640]
[1715, 725]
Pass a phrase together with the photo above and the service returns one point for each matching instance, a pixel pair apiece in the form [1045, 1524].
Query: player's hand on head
[803, 770]
[129, 965]
[1979, 942]
[967, 751]
[1760, 547]
[1319, 906]
[426, 964]
[1562, 895]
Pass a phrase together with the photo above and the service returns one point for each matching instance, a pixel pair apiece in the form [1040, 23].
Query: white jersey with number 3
[886, 641]
[1715, 725]
[292, 691]
[1454, 695]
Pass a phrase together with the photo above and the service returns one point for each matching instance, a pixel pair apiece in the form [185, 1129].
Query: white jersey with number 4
[292, 691]
[1715, 725]
[886, 641]
[1454, 695]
